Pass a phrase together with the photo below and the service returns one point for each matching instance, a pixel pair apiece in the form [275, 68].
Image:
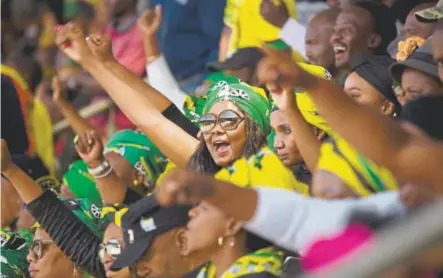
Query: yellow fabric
[249, 28]
[267, 260]
[41, 127]
[363, 176]
[262, 169]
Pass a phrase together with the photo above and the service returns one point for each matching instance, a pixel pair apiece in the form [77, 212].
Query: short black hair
[384, 23]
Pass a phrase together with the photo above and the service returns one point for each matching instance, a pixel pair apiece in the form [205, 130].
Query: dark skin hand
[183, 186]
[398, 147]
[275, 14]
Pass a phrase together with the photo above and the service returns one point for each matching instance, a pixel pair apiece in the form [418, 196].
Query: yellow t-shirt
[262, 169]
[360, 174]
[249, 28]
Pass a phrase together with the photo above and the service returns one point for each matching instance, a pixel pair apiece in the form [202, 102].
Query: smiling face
[113, 233]
[415, 84]
[284, 144]
[352, 35]
[317, 42]
[226, 145]
[53, 262]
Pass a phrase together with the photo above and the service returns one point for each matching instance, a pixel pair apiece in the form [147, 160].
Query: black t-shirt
[13, 125]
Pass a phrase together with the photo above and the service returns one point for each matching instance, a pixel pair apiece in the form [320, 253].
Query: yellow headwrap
[363, 176]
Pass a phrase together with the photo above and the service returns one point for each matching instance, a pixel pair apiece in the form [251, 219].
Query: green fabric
[278, 45]
[270, 139]
[139, 151]
[81, 183]
[14, 249]
[251, 100]
[87, 212]
[194, 105]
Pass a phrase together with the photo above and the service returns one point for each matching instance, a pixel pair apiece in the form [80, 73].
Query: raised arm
[134, 103]
[90, 148]
[302, 133]
[60, 223]
[75, 120]
[383, 140]
[286, 218]
[159, 75]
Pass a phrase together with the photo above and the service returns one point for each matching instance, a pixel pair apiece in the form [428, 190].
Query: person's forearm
[137, 84]
[224, 43]
[152, 48]
[75, 120]
[23, 184]
[307, 143]
[374, 135]
[235, 201]
[144, 115]
[112, 190]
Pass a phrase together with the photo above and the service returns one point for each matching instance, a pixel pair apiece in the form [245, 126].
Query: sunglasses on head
[227, 119]
[38, 247]
[112, 247]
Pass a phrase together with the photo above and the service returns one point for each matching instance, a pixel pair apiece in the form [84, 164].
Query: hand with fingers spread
[183, 186]
[275, 12]
[150, 21]
[100, 46]
[6, 157]
[70, 39]
[90, 148]
[278, 71]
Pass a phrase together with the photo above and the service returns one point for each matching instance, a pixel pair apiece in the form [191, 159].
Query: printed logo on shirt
[148, 224]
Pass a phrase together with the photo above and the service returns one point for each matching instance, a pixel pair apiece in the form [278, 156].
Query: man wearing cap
[153, 238]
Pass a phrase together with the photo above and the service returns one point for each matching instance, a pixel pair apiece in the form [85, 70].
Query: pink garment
[128, 49]
[331, 250]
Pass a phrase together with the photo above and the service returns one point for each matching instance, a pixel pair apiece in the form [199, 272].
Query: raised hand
[280, 71]
[6, 157]
[58, 92]
[275, 12]
[183, 186]
[150, 21]
[100, 46]
[90, 148]
[70, 39]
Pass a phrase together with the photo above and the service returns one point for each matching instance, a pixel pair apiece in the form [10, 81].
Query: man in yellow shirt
[246, 27]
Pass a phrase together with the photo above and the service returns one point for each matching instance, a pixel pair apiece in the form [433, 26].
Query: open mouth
[339, 50]
[221, 147]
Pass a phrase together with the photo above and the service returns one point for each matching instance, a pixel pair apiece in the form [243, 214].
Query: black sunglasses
[38, 248]
[112, 248]
[227, 119]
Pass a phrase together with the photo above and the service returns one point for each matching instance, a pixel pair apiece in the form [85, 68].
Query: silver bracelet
[99, 170]
[105, 174]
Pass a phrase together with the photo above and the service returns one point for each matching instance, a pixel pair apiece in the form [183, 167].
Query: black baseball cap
[421, 59]
[142, 223]
[247, 57]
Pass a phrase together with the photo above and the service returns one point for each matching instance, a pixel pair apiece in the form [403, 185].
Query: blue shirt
[189, 34]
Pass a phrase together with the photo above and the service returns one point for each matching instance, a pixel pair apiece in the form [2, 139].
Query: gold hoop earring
[220, 241]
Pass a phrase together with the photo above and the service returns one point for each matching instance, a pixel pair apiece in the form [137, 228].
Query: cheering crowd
[244, 143]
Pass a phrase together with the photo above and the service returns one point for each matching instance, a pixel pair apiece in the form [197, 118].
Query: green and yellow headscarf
[251, 100]
[194, 105]
[139, 151]
[14, 249]
[81, 183]
[361, 175]
[114, 213]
